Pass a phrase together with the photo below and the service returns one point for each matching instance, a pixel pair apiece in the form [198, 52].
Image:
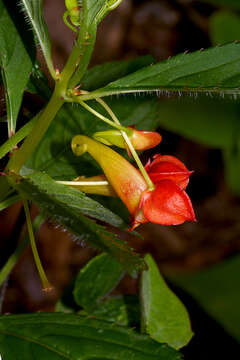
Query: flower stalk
[45, 283]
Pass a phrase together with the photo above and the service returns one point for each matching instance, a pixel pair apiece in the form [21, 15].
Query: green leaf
[68, 206]
[214, 70]
[224, 27]
[95, 10]
[164, 316]
[211, 122]
[217, 290]
[38, 83]
[17, 52]
[91, 9]
[74, 198]
[96, 280]
[122, 310]
[101, 75]
[67, 336]
[34, 12]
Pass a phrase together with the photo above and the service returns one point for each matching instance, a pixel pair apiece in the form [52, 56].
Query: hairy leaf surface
[34, 12]
[68, 206]
[214, 70]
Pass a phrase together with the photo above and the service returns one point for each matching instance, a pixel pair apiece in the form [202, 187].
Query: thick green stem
[16, 138]
[20, 156]
[129, 144]
[45, 283]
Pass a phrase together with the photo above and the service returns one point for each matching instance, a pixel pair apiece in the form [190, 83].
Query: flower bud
[141, 140]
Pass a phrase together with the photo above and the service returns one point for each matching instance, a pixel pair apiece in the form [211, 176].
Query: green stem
[79, 51]
[16, 138]
[20, 156]
[45, 283]
[7, 268]
[129, 144]
[97, 114]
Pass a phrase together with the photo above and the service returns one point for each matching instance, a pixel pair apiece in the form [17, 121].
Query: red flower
[168, 167]
[166, 204]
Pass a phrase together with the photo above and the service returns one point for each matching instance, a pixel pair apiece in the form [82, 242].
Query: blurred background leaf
[217, 290]
[224, 27]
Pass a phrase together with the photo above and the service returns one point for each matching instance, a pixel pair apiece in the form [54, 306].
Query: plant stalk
[45, 283]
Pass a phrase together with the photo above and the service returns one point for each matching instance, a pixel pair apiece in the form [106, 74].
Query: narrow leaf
[34, 12]
[16, 58]
[68, 206]
[96, 280]
[75, 199]
[214, 70]
[164, 316]
[95, 10]
[91, 9]
[67, 336]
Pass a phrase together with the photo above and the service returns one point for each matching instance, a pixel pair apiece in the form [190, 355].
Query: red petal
[168, 167]
[167, 204]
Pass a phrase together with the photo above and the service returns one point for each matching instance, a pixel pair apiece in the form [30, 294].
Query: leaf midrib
[31, 340]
